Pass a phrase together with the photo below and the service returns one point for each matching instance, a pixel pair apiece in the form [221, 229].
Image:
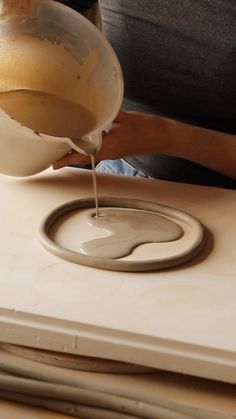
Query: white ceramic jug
[49, 51]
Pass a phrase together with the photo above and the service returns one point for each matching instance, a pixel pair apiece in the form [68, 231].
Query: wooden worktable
[180, 320]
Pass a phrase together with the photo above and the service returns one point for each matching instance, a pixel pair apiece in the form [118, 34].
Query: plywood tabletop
[180, 319]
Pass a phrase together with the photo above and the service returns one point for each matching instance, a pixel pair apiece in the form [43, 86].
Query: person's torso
[178, 57]
[179, 60]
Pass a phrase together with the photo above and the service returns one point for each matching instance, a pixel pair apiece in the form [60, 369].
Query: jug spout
[88, 144]
[14, 7]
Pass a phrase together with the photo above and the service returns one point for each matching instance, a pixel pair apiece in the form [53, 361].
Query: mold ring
[162, 262]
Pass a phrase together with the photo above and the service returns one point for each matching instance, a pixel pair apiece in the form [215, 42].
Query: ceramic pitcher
[51, 50]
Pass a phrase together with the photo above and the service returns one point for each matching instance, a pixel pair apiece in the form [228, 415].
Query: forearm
[137, 133]
[213, 149]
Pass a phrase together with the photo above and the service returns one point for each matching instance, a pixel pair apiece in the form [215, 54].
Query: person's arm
[213, 149]
[137, 133]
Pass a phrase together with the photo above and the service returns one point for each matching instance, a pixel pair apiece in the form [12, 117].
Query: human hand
[132, 133]
[137, 133]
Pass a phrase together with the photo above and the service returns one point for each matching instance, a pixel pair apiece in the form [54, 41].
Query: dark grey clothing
[79, 5]
[179, 60]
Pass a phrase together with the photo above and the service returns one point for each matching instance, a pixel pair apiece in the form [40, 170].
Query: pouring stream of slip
[95, 187]
[90, 150]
